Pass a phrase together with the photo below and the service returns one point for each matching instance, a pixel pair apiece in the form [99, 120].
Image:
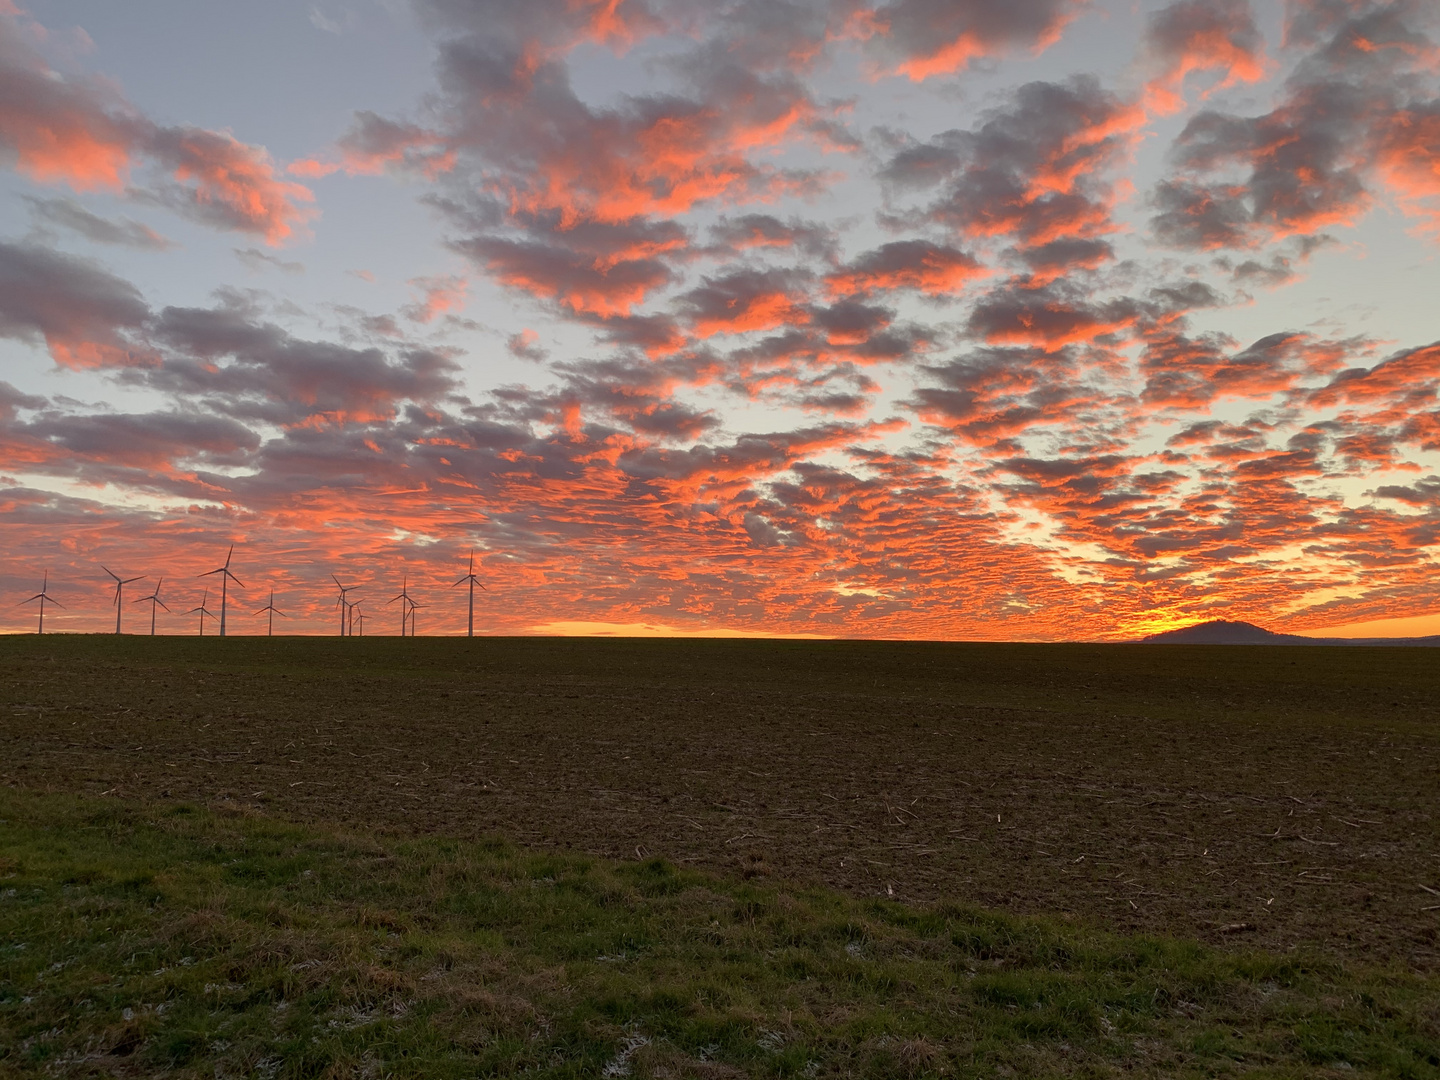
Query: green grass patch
[172, 940]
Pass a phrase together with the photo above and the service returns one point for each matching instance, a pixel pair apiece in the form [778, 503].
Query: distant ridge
[1226, 632]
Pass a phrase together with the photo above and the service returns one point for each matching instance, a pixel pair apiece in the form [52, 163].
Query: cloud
[935, 270]
[1191, 372]
[375, 143]
[1196, 36]
[1346, 121]
[1050, 316]
[1035, 170]
[219, 181]
[86, 316]
[549, 152]
[59, 130]
[258, 261]
[571, 279]
[526, 346]
[81, 133]
[921, 39]
[989, 396]
[238, 366]
[750, 231]
[142, 441]
[445, 294]
[743, 301]
[1408, 161]
[69, 214]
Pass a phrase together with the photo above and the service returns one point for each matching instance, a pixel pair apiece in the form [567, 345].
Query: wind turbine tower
[44, 597]
[153, 599]
[120, 584]
[225, 578]
[273, 610]
[473, 580]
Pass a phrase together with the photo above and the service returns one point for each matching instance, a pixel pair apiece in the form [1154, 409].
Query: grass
[171, 939]
[1280, 799]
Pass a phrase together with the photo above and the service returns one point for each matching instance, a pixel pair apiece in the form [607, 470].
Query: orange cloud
[1201, 35]
[233, 184]
[441, 294]
[933, 269]
[86, 136]
[921, 39]
[1408, 160]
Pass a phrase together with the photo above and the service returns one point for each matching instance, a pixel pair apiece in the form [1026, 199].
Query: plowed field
[1270, 797]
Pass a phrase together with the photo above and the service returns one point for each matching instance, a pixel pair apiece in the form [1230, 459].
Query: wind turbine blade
[461, 581]
[235, 579]
[109, 571]
[162, 603]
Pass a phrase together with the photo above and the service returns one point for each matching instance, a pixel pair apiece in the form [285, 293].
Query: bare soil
[1274, 797]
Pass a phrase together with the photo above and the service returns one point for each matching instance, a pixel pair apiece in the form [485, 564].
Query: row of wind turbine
[350, 612]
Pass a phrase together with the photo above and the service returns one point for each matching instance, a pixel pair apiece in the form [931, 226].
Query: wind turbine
[154, 599]
[407, 608]
[203, 611]
[350, 608]
[470, 577]
[120, 584]
[273, 610]
[43, 596]
[356, 613]
[225, 578]
[343, 603]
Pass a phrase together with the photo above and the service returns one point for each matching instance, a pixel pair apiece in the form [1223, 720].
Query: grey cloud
[69, 214]
[283, 379]
[1075, 129]
[143, 439]
[920, 30]
[258, 261]
[13, 400]
[81, 310]
[765, 231]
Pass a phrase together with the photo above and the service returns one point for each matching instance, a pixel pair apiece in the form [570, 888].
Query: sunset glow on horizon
[1029, 320]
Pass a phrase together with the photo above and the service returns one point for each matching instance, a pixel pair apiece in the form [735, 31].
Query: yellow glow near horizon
[1413, 626]
[579, 628]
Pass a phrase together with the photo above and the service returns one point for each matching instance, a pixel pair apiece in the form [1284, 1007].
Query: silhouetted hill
[1226, 632]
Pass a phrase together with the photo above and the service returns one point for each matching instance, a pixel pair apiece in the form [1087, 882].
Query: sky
[945, 319]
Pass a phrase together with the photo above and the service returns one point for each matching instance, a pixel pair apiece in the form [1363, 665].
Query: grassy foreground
[143, 940]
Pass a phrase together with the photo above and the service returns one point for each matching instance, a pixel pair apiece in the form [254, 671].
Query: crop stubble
[1275, 797]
